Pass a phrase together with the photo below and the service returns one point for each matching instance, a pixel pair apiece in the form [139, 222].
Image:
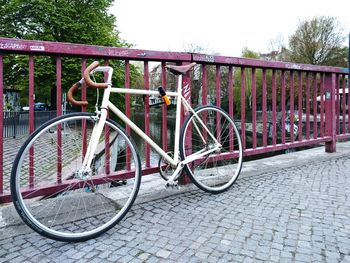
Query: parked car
[342, 97]
[38, 106]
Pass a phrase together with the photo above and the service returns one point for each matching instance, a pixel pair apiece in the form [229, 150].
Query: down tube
[136, 129]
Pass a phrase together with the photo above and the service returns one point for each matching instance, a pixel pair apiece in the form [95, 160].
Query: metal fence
[16, 123]
[277, 105]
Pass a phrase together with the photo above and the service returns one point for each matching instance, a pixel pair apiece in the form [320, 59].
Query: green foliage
[318, 41]
[74, 21]
[247, 53]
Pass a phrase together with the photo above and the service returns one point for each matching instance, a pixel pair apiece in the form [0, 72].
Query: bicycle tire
[76, 209]
[216, 172]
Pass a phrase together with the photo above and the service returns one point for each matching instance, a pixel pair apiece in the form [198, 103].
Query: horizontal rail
[10, 45]
[74, 184]
[257, 63]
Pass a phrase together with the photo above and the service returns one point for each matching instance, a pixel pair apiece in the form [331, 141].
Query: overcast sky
[220, 26]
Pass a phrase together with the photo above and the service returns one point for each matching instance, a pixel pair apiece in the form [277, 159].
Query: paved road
[280, 214]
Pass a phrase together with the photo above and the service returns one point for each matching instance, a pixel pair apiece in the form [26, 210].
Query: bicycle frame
[107, 104]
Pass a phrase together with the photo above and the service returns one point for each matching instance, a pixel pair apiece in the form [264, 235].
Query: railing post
[31, 119]
[330, 129]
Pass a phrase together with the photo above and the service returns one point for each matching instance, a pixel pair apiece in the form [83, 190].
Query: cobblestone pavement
[11, 147]
[299, 214]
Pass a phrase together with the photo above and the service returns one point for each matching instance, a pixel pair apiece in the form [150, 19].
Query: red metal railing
[254, 92]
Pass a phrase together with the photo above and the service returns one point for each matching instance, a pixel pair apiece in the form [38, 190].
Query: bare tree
[277, 43]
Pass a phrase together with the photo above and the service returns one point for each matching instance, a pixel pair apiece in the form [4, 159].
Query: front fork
[99, 119]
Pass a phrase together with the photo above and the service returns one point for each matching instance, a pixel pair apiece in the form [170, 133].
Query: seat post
[178, 117]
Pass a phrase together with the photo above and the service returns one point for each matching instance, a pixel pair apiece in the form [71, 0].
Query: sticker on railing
[209, 58]
[206, 58]
[37, 48]
[293, 66]
[118, 53]
[12, 46]
[187, 92]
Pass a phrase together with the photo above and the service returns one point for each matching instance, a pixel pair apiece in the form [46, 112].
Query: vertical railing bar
[307, 102]
[274, 110]
[343, 106]
[204, 84]
[243, 107]
[1, 124]
[322, 97]
[59, 85]
[314, 101]
[254, 106]
[59, 113]
[83, 108]
[127, 110]
[264, 117]
[204, 95]
[164, 113]
[84, 87]
[107, 133]
[14, 125]
[348, 95]
[105, 74]
[230, 104]
[147, 127]
[218, 99]
[127, 96]
[283, 106]
[230, 91]
[337, 105]
[31, 119]
[291, 96]
[300, 106]
[217, 85]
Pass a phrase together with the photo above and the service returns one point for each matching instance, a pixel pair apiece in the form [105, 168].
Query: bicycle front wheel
[218, 170]
[55, 198]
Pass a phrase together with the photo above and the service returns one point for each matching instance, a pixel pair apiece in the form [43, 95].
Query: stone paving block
[346, 259]
[163, 253]
[248, 260]
[303, 257]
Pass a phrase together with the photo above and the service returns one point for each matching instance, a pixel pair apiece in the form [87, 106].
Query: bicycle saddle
[177, 70]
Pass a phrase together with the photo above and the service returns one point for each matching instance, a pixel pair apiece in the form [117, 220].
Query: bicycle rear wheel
[57, 201]
[217, 171]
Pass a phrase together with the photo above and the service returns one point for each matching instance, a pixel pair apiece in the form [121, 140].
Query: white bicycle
[87, 172]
